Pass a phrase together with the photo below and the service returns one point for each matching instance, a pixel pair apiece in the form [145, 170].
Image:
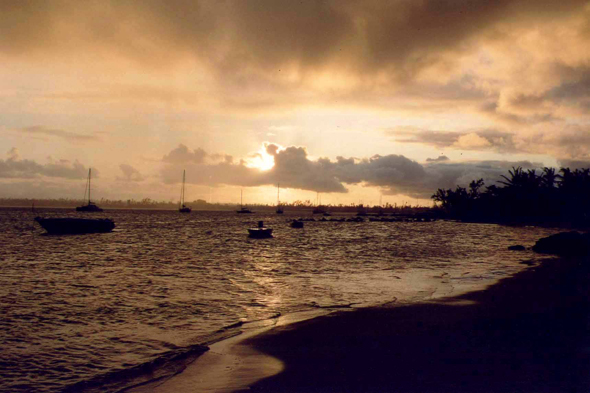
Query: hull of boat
[185, 210]
[297, 224]
[89, 208]
[260, 233]
[75, 225]
[244, 212]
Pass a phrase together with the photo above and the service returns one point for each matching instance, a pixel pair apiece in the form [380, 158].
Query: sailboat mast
[89, 177]
[183, 180]
[241, 191]
[278, 193]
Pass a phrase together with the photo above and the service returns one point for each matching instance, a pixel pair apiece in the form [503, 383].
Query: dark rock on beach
[564, 243]
[517, 247]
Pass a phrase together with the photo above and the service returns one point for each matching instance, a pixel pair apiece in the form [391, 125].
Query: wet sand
[526, 333]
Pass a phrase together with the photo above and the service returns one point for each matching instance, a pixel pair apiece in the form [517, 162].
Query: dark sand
[527, 333]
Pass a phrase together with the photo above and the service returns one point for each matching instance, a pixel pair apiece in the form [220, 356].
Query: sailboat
[91, 206]
[75, 225]
[243, 210]
[318, 209]
[181, 206]
[279, 208]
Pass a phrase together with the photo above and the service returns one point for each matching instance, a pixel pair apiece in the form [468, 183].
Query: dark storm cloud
[401, 36]
[575, 88]
[573, 91]
[393, 174]
[70, 136]
[16, 168]
[575, 164]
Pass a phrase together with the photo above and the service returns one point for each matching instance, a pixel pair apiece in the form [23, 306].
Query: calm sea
[130, 305]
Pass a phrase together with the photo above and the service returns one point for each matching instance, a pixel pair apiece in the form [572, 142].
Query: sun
[261, 160]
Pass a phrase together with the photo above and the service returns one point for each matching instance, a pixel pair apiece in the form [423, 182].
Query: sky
[347, 101]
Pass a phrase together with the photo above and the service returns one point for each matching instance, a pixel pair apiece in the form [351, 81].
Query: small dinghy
[296, 224]
[261, 232]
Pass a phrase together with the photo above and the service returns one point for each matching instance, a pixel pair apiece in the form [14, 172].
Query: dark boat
[296, 224]
[243, 210]
[361, 211]
[76, 225]
[90, 206]
[279, 208]
[182, 207]
[318, 210]
[261, 232]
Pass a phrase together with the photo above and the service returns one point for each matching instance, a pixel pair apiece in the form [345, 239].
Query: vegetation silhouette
[524, 197]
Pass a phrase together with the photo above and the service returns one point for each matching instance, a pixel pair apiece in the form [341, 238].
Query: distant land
[201, 204]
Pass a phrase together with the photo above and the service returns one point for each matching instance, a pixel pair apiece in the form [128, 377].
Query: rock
[564, 243]
[517, 247]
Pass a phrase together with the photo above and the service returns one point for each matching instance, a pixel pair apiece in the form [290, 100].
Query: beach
[525, 333]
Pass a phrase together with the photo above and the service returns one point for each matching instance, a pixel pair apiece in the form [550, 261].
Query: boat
[296, 224]
[260, 232]
[361, 211]
[90, 206]
[69, 225]
[181, 206]
[318, 210]
[243, 210]
[279, 208]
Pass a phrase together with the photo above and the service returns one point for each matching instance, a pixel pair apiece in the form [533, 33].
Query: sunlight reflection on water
[77, 306]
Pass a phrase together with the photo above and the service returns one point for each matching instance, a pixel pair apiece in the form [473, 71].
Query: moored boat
[260, 232]
[296, 224]
[90, 206]
[69, 225]
[243, 210]
[182, 208]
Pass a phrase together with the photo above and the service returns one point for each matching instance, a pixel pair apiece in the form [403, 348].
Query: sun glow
[261, 160]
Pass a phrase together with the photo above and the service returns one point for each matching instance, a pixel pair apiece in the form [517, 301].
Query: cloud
[560, 141]
[182, 155]
[574, 164]
[469, 140]
[130, 174]
[238, 37]
[438, 159]
[393, 174]
[70, 136]
[13, 167]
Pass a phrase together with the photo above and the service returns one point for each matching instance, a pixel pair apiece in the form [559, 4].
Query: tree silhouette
[522, 196]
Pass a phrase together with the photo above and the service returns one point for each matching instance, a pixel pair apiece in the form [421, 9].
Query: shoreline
[525, 332]
[528, 332]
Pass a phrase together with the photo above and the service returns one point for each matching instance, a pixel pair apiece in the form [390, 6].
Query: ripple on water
[77, 307]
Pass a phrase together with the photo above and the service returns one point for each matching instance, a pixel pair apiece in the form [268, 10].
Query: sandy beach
[526, 333]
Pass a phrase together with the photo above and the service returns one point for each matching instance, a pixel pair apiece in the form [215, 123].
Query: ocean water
[99, 312]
